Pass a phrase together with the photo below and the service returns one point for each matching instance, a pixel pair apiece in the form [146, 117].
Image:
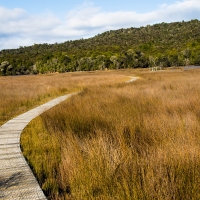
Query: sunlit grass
[20, 93]
[121, 141]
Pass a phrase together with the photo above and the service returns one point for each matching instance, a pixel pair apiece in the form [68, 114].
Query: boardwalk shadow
[13, 181]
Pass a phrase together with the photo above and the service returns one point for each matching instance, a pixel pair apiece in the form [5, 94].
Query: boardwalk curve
[17, 181]
[132, 79]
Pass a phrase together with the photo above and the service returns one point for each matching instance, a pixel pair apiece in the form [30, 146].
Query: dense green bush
[169, 44]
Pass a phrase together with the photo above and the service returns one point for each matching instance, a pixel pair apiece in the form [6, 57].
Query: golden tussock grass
[20, 93]
[121, 141]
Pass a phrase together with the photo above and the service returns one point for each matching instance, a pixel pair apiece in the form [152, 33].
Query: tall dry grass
[20, 93]
[127, 141]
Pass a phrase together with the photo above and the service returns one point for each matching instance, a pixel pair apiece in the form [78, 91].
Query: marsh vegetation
[20, 93]
[121, 141]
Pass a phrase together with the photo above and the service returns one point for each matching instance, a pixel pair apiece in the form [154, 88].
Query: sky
[25, 23]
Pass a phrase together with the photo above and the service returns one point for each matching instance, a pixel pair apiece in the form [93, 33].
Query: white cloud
[15, 14]
[174, 12]
[19, 28]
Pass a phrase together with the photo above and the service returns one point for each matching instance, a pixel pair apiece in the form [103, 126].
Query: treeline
[164, 45]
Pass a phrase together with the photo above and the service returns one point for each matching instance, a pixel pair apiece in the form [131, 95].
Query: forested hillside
[165, 44]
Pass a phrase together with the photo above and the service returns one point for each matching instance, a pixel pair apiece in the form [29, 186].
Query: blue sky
[63, 6]
[24, 23]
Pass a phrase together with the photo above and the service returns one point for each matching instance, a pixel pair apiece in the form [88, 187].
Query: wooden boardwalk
[17, 181]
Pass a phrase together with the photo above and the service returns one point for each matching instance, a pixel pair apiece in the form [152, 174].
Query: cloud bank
[19, 28]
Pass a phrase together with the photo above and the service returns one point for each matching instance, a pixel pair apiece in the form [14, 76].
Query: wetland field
[113, 140]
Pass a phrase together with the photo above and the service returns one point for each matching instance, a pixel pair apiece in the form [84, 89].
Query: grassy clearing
[127, 141]
[20, 93]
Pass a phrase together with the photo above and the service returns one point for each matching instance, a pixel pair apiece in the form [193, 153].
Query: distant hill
[164, 44]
